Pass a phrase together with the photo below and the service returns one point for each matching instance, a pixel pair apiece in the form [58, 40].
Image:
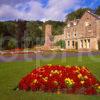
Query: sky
[42, 10]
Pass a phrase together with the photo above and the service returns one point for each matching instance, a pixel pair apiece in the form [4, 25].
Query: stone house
[80, 34]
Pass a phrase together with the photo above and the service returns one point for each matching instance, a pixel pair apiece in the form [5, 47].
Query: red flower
[90, 91]
[51, 78]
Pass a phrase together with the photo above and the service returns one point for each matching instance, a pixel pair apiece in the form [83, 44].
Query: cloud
[12, 2]
[55, 9]
[28, 11]
[32, 10]
[10, 12]
[37, 9]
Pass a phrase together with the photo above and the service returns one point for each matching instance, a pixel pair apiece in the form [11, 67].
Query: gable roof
[78, 20]
[90, 12]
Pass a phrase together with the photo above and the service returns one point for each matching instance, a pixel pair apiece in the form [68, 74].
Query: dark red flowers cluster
[61, 79]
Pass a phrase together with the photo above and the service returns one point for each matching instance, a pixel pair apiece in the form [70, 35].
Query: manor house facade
[80, 34]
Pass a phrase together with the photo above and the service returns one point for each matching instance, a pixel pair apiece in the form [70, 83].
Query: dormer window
[68, 25]
[74, 23]
[87, 23]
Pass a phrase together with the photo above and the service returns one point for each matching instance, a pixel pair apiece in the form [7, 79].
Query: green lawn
[12, 72]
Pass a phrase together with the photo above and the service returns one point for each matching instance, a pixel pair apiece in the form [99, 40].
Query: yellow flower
[49, 64]
[69, 82]
[77, 71]
[78, 68]
[45, 79]
[82, 82]
[35, 81]
[86, 77]
[68, 66]
[79, 76]
[83, 67]
[55, 72]
[55, 82]
[99, 87]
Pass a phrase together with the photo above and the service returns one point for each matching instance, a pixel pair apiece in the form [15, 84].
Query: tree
[11, 44]
[7, 29]
[61, 43]
[1, 40]
[97, 11]
[76, 14]
[57, 27]
[21, 28]
[34, 33]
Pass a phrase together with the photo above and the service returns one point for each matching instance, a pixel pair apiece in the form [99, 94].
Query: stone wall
[87, 26]
[81, 34]
[84, 34]
[48, 34]
[58, 38]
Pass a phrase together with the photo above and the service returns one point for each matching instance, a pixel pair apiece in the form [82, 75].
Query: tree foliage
[61, 43]
[27, 34]
[34, 33]
[97, 10]
[57, 27]
[76, 14]
[79, 13]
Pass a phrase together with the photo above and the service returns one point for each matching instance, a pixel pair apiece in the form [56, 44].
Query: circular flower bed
[61, 79]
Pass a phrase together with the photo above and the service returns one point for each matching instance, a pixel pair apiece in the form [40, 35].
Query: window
[75, 35]
[68, 25]
[68, 43]
[82, 43]
[73, 43]
[88, 44]
[68, 35]
[87, 23]
[85, 43]
[89, 40]
[75, 23]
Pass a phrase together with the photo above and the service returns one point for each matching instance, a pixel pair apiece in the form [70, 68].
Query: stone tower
[48, 34]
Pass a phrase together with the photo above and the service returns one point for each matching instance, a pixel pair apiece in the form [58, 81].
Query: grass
[12, 72]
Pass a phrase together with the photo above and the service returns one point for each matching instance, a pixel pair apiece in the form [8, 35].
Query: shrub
[61, 43]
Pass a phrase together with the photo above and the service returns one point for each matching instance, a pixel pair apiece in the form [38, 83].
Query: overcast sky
[41, 9]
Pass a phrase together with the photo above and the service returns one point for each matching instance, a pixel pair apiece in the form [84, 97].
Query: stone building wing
[81, 34]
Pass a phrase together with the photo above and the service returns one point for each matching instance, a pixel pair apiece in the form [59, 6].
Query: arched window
[68, 43]
[73, 44]
[81, 43]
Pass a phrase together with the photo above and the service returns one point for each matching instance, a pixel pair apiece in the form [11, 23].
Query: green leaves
[76, 14]
[97, 11]
[61, 43]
